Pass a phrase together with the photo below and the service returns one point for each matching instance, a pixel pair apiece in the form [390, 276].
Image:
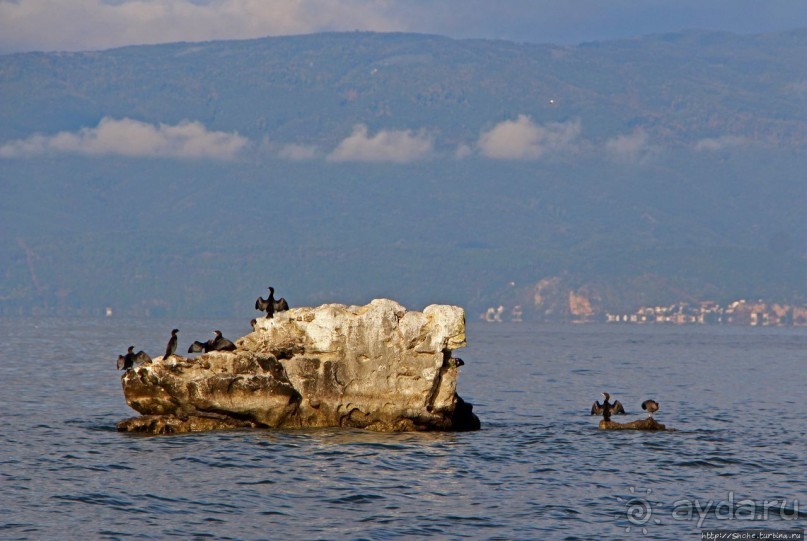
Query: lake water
[539, 468]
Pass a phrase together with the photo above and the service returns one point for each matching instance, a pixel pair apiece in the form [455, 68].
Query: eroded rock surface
[378, 367]
[641, 424]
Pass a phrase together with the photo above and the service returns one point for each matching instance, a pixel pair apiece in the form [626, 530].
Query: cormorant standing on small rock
[599, 409]
[651, 406]
[253, 323]
[171, 348]
[606, 408]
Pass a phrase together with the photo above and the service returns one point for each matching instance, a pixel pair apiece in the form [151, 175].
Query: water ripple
[539, 469]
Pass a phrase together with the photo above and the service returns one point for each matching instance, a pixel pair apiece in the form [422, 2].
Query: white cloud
[719, 143]
[398, 146]
[463, 151]
[522, 139]
[127, 137]
[631, 147]
[297, 152]
[98, 24]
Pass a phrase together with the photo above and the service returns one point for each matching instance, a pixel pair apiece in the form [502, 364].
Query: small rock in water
[641, 424]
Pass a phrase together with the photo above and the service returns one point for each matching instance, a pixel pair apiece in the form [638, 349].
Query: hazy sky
[27, 25]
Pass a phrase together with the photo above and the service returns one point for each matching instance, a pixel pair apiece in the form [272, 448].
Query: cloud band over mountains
[127, 137]
[518, 139]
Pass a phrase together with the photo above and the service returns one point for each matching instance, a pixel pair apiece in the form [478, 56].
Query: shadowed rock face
[378, 367]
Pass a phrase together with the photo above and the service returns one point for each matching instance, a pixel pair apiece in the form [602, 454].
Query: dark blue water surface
[539, 469]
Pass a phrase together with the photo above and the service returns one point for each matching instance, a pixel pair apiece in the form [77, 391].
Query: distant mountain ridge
[183, 178]
[675, 86]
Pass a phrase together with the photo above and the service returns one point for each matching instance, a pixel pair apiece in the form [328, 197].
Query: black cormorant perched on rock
[600, 409]
[650, 406]
[270, 305]
[171, 348]
[219, 343]
[199, 347]
[253, 323]
[126, 362]
[265, 305]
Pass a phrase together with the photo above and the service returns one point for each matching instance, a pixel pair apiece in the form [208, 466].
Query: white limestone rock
[377, 366]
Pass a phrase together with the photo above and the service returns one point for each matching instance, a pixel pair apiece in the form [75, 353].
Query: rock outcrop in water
[640, 424]
[378, 367]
